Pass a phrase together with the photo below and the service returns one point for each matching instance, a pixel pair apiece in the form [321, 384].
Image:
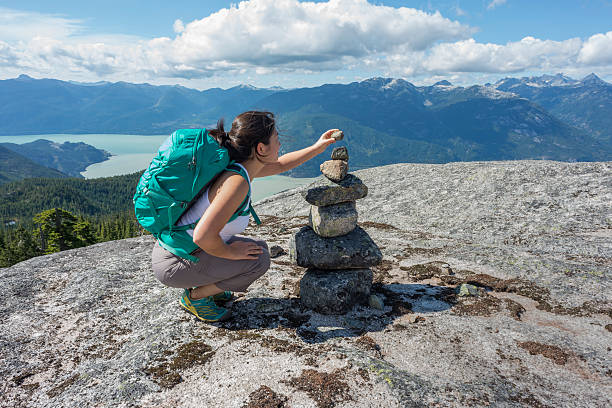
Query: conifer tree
[21, 248]
[56, 227]
[84, 233]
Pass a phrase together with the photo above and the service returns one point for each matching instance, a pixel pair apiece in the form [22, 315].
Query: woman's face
[275, 144]
[270, 151]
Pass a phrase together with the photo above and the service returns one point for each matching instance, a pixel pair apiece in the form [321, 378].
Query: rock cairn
[337, 253]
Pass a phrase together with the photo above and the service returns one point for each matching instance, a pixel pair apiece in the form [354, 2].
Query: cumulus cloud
[528, 53]
[280, 32]
[597, 50]
[264, 37]
[266, 34]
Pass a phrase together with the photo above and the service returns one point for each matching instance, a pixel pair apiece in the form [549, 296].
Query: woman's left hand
[325, 140]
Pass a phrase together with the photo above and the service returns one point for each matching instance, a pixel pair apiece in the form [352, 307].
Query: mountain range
[386, 120]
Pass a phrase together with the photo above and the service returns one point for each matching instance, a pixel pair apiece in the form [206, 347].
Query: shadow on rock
[312, 327]
[415, 297]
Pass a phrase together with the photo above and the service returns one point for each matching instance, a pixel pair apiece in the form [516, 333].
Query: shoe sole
[221, 319]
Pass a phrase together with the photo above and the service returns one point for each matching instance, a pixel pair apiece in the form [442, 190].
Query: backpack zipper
[193, 151]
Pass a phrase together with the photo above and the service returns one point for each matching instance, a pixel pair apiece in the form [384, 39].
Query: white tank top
[198, 208]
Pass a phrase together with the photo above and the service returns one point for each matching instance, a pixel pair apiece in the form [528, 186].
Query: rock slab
[335, 293]
[326, 192]
[333, 220]
[353, 250]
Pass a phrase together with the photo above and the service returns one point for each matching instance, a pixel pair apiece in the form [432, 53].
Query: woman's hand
[245, 250]
[325, 140]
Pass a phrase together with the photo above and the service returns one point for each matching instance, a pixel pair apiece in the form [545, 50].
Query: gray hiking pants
[227, 274]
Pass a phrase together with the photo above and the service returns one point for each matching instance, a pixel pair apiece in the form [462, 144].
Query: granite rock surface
[92, 326]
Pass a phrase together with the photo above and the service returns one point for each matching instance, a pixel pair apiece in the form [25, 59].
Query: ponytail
[249, 129]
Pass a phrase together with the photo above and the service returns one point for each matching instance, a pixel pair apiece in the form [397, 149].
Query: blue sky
[203, 44]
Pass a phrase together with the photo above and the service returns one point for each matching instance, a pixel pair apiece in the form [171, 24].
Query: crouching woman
[229, 262]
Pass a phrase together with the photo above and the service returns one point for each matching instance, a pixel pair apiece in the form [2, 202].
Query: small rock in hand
[338, 135]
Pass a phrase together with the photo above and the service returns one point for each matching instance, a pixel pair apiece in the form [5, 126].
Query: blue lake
[132, 153]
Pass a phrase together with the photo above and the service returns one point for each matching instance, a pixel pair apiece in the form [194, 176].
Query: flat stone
[337, 292]
[324, 192]
[353, 250]
[333, 220]
[335, 170]
[338, 135]
[340, 153]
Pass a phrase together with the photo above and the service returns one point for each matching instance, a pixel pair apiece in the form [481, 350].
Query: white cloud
[495, 3]
[18, 25]
[470, 56]
[459, 11]
[597, 50]
[285, 32]
[271, 34]
[178, 26]
[286, 37]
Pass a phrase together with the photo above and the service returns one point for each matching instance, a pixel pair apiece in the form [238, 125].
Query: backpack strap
[247, 206]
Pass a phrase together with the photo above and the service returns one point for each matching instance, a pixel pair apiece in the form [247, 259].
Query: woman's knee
[168, 277]
[263, 262]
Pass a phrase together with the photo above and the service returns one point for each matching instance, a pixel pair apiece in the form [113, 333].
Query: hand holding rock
[326, 139]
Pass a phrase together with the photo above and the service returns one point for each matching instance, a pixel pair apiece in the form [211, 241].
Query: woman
[227, 261]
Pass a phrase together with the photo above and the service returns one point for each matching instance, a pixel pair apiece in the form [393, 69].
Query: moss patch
[381, 271]
[528, 400]
[187, 355]
[410, 251]
[326, 389]
[264, 397]
[19, 379]
[478, 306]
[541, 295]
[556, 354]
[270, 342]
[57, 390]
[378, 225]
[516, 309]
[367, 343]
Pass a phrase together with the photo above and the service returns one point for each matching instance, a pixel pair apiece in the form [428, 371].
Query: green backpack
[184, 166]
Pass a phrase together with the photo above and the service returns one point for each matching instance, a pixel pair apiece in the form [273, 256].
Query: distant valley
[386, 120]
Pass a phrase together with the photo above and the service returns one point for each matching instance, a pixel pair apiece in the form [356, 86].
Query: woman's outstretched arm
[293, 159]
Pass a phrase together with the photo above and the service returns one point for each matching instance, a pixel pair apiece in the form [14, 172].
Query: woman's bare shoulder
[228, 183]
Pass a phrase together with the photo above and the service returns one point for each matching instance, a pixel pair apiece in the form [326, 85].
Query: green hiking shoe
[223, 296]
[204, 309]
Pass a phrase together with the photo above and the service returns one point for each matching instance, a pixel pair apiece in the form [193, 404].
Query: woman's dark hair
[248, 129]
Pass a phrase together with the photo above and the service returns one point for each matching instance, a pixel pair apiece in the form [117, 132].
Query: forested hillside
[14, 166]
[41, 215]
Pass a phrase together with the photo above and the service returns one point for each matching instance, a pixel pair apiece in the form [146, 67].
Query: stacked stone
[337, 253]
